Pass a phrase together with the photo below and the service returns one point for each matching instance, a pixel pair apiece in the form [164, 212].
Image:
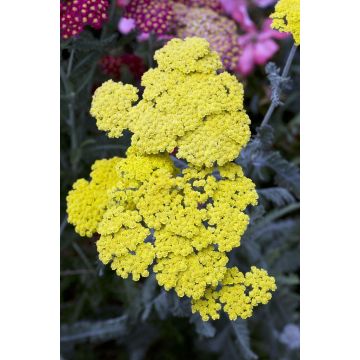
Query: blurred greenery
[106, 317]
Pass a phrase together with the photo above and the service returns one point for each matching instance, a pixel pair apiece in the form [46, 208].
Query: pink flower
[122, 3]
[237, 9]
[258, 47]
[264, 3]
[126, 25]
[143, 36]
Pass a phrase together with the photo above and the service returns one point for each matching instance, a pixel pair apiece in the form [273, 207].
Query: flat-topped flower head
[286, 18]
[178, 223]
[238, 294]
[186, 104]
[219, 30]
[76, 14]
[188, 56]
[86, 202]
[145, 214]
[150, 15]
[110, 106]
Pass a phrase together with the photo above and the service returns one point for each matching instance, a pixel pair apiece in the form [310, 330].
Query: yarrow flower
[286, 18]
[238, 295]
[153, 217]
[186, 104]
[88, 199]
[112, 65]
[76, 14]
[183, 225]
[150, 15]
[218, 30]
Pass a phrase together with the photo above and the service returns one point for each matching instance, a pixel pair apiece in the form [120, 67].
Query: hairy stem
[283, 75]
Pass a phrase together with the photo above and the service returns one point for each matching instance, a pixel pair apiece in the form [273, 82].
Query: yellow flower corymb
[110, 106]
[286, 18]
[86, 202]
[147, 213]
[181, 223]
[186, 104]
[238, 294]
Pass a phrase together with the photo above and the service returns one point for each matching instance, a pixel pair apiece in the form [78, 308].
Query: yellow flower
[190, 275]
[87, 201]
[286, 18]
[110, 106]
[147, 211]
[127, 252]
[239, 294]
[186, 104]
[191, 55]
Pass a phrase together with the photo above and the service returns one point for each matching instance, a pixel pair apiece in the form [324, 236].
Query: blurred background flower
[76, 14]
[242, 42]
[258, 47]
[203, 22]
[112, 66]
[150, 16]
[290, 336]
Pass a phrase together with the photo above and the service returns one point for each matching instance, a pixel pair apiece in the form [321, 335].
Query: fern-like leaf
[96, 331]
[277, 195]
[243, 339]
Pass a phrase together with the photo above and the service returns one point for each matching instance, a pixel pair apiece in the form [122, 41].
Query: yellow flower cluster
[286, 18]
[238, 294]
[86, 202]
[147, 212]
[186, 104]
[110, 106]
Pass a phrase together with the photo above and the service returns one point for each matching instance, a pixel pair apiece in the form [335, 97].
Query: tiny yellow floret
[186, 104]
[87, 201]
[286, 18]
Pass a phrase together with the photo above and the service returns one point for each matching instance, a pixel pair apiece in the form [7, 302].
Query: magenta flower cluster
[76, 14]
[150, 15]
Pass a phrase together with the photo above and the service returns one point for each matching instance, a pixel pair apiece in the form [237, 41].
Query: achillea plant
[186, 104]
[76, 14]
[286, 18]
[150, 15]
[152, 216]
